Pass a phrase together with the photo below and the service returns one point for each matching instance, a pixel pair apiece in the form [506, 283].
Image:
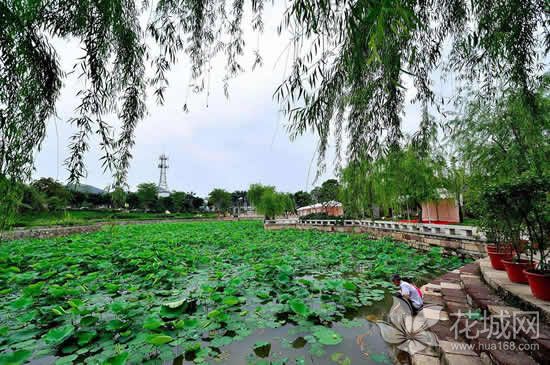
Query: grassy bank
[79, 217]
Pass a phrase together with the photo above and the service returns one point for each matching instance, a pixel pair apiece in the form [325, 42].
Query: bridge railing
[422, 228]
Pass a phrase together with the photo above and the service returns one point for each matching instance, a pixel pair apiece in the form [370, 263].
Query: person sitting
[409, 293]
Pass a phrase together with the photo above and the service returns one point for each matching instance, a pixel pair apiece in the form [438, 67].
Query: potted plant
[491, 208]
[537, 191]
[514, 206]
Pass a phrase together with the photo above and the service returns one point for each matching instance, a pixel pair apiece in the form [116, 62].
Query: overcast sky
[229, 143]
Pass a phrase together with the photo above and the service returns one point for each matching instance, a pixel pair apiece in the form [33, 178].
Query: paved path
[467, 341]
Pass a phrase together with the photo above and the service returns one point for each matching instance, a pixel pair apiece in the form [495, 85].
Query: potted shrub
[491, 209]
[536, 190]
[514, 206]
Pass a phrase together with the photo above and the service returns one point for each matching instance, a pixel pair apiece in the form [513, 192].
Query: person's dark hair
[395, 277]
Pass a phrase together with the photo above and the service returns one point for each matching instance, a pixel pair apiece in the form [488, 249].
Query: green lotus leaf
[326, 336]
[15, 358]
[28, 316]
[84, 337]
[119, 359]
[22, 303]
[34, 289]
[159, 339]
[152, 323]
[175, 304]
[88, 321]
[58, 335]
[349, 286]
[231, 301]
[115, 325]
[299, 307]
[221, 341]
[66, 360]
[170, 313]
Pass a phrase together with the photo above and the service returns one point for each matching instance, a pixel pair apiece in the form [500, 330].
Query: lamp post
[239, 206]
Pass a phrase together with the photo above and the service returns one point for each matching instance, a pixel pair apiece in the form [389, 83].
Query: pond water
[362, 343]
[224, 293]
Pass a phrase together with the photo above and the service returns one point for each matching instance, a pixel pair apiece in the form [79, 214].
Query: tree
[357, 189]
[57, 195]
[166, 203]
[329, 191]
[179, 199]
[196, 202]
[97, 200]
[454, 180]
[302, 199]
[505, 138]
[32, 199]
[50, 187]
[78, 198]
[220, 199]
[288, 203]
[133, 200]
[366, 49]
[118, 198]
[255, 192]
[147, 194]
[402, 178]
[271, 204]
[315, 194]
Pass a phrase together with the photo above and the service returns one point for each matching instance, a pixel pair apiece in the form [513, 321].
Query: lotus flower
[410, 333]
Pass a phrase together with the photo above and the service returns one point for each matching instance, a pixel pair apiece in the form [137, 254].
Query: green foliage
[147, 194]
[518, 205]
[131, 295]
[326, 336]
[329, 191]
[302, 199]
[269, 202]
[80, 217]
[220, 200]
[403, 179]
[32, 200]
[57, 195]
[368, 50]
[118, 197]
[255, 192]
[10, 197]
[504, 145]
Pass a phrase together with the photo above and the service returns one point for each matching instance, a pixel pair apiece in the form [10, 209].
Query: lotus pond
[201, 292]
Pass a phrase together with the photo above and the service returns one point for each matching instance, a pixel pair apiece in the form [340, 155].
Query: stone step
[464, 291]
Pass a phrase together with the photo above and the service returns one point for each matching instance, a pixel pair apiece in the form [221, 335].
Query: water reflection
[362, 344]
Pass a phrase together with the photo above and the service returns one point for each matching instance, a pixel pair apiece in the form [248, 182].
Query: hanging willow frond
[349, 61]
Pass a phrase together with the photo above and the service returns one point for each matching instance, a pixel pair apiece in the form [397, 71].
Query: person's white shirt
[412, 293]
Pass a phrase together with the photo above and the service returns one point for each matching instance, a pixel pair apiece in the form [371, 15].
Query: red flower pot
[493, 248]
[497, 257]
[539, 283]
[515, 269]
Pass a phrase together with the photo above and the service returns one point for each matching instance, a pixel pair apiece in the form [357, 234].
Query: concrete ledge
[518, 293]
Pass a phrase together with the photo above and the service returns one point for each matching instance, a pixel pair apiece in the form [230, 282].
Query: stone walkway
[466, 340]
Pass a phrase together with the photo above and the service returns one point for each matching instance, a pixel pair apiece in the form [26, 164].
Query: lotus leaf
[57, 335]
[326, 336]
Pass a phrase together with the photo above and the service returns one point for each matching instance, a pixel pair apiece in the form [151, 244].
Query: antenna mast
[163, 185]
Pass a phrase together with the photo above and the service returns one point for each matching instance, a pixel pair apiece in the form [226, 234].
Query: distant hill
[84, 188]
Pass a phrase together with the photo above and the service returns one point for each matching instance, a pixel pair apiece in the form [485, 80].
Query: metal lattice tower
[163, 166]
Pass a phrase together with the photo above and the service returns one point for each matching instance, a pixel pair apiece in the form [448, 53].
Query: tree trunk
[419, 209]
[460, 210]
